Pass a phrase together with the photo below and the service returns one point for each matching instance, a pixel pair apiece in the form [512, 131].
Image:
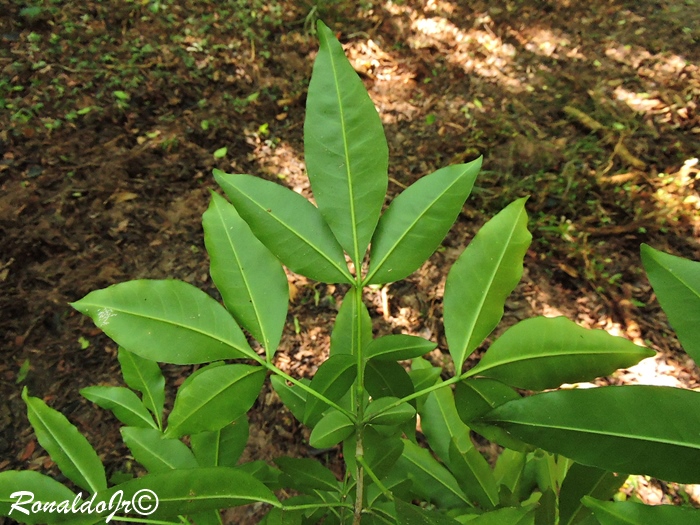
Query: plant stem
[359, 405]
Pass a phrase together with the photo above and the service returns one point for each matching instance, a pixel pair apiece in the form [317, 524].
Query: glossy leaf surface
[635, 429]
[332, 428]
[417, 220]
[676, 282]
[42, 487]
[289, 225]
[221, 447]
[251, 280]
[156, 452]
[398, 347]
[629, 513]
[68, 448]
[542, 353]
[344, 147]
[125, 405]
[377, 412]
[214, 398]
[167, 321]
[480, 280]
[332, 379]
[144, 375]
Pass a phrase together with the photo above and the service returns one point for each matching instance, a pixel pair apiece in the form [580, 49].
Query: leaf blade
[125, 405]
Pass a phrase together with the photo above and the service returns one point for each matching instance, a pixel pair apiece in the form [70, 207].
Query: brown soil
[591, 108]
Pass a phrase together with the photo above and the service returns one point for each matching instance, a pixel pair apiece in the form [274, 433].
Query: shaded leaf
[331, 429]
[332, 380]
[68, 448]
[377, 412]
[156, 452]
[293, 397]
[307, 474]
[221, 447]
[125, 405]
[635, 429]
[580, 481]
[345, 338]
[251, 280]
[387, 378]
[167, 321]
[408, 514]
[214, 398]
[628, 513]
[144, 375]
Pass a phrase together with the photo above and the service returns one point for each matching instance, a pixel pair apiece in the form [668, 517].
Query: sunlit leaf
[125, 405]
[167, 321]
[144, 375]
[398, 347]
[156, 452]
[331, 429]
[344, 147]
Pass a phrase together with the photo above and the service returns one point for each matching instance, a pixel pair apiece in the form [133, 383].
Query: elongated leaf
[506, 516]
[125, 405]
[542, 353]
[398, 347]
[188, 491]
[144, 375]
[509, 469]
[333, 379]
[29, 487]
[676, 282]
[155, 452]
[345, 148]
[387, 378]
[293, 397]
[381, 452]
[332, 428]
[345, 338]
[480, 280]
[476, 397]
[414, 515]
[378, 413]
[580, 481]
[167, 321]
[270, 476]
[416, 222]
[215, 398]
[431, 481]
[449, 438]
[221, 447]
[68, 448]
[635, 429]
[307, 474]
[289, 225]
[628, 513]
[251, 280]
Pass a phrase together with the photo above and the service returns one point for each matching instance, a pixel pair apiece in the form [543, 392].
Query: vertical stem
[359, 407]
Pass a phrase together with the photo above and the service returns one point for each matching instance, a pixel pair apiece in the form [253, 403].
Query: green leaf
[345, 148]
[449, 438]
[220, 153]
[68, 448]
[506, 516]
[289, 225]
[381, 452]
[542, 353]
[284, 517]
[628, 513]
[476, 397]
[125, 405]
[333, 379]
[509, 469]
[43, 488]
[377, 412]
[188, 491]
[676, 282]
[480, 280]
[215, 398]
[293, 397]
[332, 428]
[635, 429]
[251, 280]
[168, 321]
[144, 375]
[307, 474]
[387, 378]
[398, 347]
[344, 338]
[221, 447]
[580, 481]
[416, 222]
[431, 481]
[156, 452]
[412, 515]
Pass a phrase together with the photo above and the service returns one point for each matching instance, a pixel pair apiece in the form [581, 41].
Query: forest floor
[111, 113]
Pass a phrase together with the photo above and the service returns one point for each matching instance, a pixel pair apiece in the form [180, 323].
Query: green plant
[362, 396]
